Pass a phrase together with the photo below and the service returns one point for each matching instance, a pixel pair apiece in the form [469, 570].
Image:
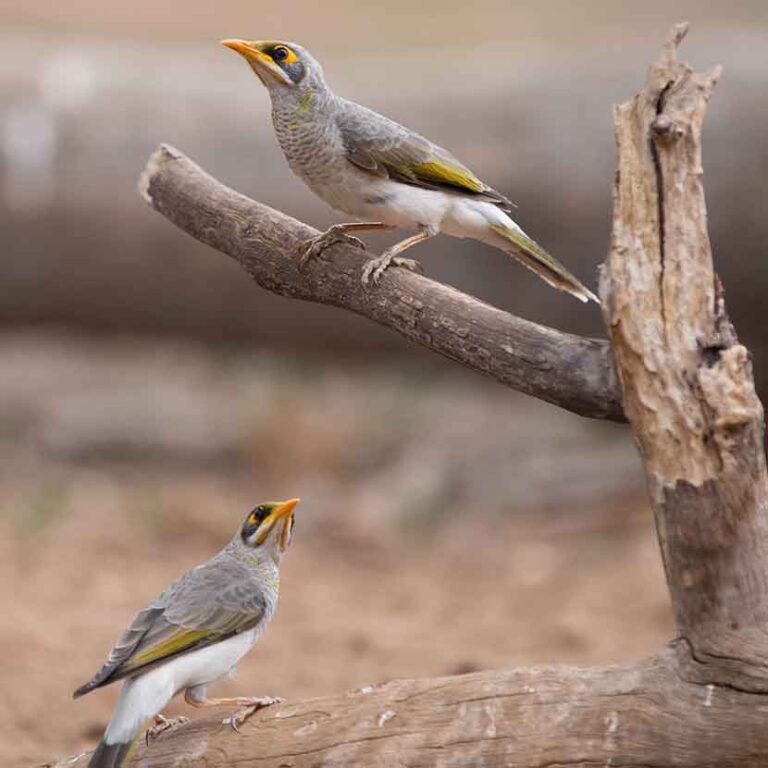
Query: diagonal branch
[570, 371]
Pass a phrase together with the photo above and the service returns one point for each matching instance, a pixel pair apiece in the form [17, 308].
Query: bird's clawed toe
[162, 723]
[251, 706]
[375, 268]
[315, 246]
[410, 264]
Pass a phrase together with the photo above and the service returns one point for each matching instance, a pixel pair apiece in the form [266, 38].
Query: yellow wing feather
[439, 171]
[179, 641]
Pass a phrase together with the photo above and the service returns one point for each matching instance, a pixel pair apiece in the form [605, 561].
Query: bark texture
[639, 716]
[687, 382]
[570, 371]
[689, 397]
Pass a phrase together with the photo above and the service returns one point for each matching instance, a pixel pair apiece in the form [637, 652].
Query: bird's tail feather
[112, 755]
[529, 253]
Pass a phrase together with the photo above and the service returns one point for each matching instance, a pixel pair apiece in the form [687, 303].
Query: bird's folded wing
[207, 605]
[385, 148]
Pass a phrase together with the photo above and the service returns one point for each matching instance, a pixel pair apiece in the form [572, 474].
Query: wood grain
[570, 371]
[637, 716]
[687, 382]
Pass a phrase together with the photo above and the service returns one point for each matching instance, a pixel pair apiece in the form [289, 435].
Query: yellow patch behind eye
[252, 519]
[290, 58]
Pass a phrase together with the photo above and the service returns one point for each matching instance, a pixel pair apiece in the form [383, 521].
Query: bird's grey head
[281, 67]
[268, 529]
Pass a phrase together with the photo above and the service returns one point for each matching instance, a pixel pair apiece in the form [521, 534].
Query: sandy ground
[355, 609]
[401, 566]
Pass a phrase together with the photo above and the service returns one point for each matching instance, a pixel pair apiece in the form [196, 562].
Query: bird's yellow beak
[285, 508]
[283, 511]
[244, 48]
[260, 62]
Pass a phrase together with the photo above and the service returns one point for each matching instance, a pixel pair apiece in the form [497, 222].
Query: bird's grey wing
[122, 649]
[383, 147]
[205, 606]
[219, 595]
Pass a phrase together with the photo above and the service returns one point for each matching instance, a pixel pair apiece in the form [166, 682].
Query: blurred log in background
[521, 93]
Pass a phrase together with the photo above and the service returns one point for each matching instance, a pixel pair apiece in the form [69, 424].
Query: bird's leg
[248, 705]
[162, 723]
[375, 268]
[338, 233]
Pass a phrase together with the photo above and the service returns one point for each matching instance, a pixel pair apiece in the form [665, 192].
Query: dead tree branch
[640, 716]
[689, 395]
[566, 370]
[687, 382]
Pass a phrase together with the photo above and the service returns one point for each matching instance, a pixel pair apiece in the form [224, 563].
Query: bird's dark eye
[280, 53]
[258, 515]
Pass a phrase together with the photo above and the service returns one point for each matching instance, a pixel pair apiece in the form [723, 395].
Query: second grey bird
[382, 173]
[195, 632]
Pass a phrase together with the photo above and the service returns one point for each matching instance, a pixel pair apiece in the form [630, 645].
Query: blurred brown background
[150, 394]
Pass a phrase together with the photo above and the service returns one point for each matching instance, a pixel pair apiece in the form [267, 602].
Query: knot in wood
[666, 129]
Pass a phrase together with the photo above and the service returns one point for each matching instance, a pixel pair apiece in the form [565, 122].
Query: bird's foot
[332, 236]
[162, 723]
[375, 268]
[250, 706]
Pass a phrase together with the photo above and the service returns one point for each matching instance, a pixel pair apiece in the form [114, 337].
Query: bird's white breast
[211, 663]
[371, 198]
[380, 199]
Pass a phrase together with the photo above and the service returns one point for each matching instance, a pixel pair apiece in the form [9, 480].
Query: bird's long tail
[529, 253]
[112, 755]
[140, 700]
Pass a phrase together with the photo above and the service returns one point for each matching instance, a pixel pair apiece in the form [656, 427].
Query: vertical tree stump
[686, 381]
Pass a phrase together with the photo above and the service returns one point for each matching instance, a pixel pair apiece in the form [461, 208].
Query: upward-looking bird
[195, 632]
[376, 170]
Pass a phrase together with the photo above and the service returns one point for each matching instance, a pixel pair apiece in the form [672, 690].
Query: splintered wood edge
[163, 155]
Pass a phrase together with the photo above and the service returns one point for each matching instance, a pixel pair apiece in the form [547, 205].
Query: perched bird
[376, 170]
[195, 632]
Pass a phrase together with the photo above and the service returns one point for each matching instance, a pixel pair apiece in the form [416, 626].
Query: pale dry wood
[687, 382]
[690, 399]
[637, 716]
[570, 371]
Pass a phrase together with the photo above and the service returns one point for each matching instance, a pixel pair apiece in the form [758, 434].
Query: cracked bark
[570, 371]
[689, 396]
[687, 382]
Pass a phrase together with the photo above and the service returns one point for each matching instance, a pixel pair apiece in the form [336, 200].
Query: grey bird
[385, 175]
[195, 632]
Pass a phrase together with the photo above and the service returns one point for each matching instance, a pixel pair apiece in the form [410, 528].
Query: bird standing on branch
[195, 632]
[370, 167]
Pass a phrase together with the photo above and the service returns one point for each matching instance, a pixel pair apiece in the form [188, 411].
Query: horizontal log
[638, 716]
